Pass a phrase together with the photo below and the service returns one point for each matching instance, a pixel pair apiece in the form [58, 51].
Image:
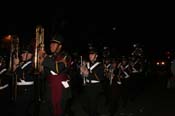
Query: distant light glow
[114, 28]
[7, 37]
[163, 63]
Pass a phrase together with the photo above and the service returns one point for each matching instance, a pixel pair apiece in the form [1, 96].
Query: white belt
[92, 81]
[25, 83]
[127, 76]
[4, 86]
[119, 82]
[135, 71]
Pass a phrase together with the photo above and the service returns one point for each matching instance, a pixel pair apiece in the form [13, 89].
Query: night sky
[118, 25]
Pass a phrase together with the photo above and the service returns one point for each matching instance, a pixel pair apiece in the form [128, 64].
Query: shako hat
[57, 38]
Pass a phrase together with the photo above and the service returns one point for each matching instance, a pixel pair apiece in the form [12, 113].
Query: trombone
[14, 54]
[39, 45]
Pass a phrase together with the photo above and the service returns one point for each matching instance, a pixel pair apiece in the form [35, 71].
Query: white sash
[123, 70]
[3, 70]
[93, 66]
[4, 86]
[27, 63]
[108, 65]
[53, 73]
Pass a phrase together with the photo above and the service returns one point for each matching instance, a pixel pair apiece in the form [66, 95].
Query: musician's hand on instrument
[84, 70]
[42, 55]
[15, 63]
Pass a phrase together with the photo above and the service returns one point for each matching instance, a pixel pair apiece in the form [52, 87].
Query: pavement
[152, 101]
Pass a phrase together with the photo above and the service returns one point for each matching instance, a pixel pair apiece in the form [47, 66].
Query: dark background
[118, 25]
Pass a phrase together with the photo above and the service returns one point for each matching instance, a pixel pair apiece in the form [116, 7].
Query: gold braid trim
[57, 70]
[61, 61]
[96, 76]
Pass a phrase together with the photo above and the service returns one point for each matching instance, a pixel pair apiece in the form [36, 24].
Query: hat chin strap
[26, 57]
[95, 58]
[58, 49]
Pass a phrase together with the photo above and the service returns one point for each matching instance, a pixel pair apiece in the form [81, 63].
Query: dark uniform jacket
[96, 72]
[55, 72]
[24, 89]
[24, 71]
[3, 80]
[93, 93]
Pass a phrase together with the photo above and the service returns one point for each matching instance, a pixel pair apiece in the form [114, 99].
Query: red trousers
[56, 87]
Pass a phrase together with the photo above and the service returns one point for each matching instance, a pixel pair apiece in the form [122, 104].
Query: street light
[5, 42]
[7, 38]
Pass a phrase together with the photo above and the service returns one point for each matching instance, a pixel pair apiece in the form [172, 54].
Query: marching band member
[24, 87]
[56, 78]
[124, 75]
[4, 87]
[115, 83]
[93, 91]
